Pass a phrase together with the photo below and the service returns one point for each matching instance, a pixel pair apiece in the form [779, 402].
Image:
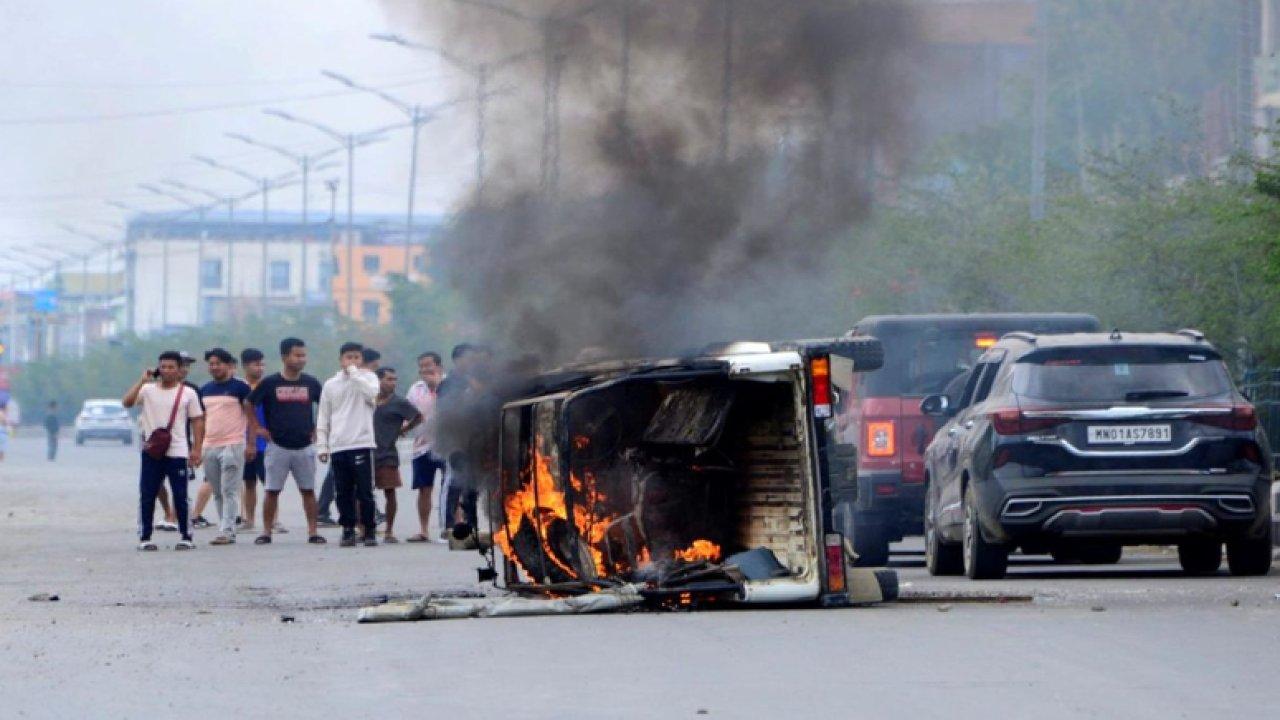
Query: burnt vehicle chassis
[696, 480]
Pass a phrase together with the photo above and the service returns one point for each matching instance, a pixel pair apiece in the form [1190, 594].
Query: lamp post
[164, 248]
[304, 164]
[482, 72]
[351, 140]
[12, 354]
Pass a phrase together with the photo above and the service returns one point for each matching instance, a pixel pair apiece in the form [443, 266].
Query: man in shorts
[169, 405]
[225, 433]
[392, 420]
[253, 365]
[426, 463]
[287, 399]
[344, 436]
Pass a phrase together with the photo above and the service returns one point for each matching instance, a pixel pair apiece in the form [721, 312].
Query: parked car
[1081, 444]
[104, 420]
[923, 354]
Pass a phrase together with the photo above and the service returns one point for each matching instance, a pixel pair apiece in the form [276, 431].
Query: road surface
[205, 633]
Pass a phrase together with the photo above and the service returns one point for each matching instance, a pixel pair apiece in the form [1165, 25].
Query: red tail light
[835, 563]
[881, 441]
[820, 370]
[1012, 421]
[1237, 417]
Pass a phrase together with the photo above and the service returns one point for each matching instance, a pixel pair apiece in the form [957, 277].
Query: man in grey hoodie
[344, 439]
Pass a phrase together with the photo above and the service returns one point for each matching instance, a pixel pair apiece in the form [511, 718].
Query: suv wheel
[941, 558]
[1249, 556]
[1200, 557]
[982, 560]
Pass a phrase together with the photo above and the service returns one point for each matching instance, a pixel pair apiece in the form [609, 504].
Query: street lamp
[11, 354]
[418, 116]
[481, 71]
[164, 246]
[304, 162]
[351, 140]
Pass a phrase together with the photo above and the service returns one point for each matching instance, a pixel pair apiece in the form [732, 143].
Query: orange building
[359, 282]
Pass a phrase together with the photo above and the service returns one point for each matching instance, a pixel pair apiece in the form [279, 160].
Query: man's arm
[197, 441]
[366, 382]
[131, 397]
[322, 427]
[414, 422]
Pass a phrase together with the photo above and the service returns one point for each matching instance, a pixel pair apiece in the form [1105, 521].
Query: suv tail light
[1237, 417]
[882, 440]
[1012, 421]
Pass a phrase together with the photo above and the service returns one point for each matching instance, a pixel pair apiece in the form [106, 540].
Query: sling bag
[157, 443]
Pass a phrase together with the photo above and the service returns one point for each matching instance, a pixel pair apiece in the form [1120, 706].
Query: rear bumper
[98, 432]
[1125, 507]
[885, 500]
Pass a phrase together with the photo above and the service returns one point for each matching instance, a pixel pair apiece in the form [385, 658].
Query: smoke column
[653, 240]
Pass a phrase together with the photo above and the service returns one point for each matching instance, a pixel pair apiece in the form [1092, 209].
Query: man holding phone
[166, 407]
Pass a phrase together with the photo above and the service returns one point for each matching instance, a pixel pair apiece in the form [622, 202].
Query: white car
[104, 420]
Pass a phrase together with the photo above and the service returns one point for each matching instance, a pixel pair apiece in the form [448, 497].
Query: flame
[699, 550]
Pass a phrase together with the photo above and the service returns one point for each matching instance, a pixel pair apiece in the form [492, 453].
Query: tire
[127, 440]
[1249, 557]
[1200, 557]
[941, 558]
[870, 543]
[982, 560]
[79, 439]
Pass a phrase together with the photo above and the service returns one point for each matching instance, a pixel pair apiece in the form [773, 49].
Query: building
[184, 272]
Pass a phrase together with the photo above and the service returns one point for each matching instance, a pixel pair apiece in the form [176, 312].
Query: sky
[99, 97]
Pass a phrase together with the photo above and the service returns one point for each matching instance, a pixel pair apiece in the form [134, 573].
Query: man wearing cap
[224, 439]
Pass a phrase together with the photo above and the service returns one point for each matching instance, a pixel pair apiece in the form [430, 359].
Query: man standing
[254, 367]
[370, 360]
[344, 435]
[203, 494]
[225, 432]
[287, 398]
[426, 463]
[393, 418]
[167, 405]
[52, 426]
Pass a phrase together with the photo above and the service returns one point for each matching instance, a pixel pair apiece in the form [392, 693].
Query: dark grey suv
[1080, 444]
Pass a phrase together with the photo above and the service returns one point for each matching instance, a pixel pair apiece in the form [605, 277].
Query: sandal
[317, 540]
[419, 538]
[262, 540]
[389, 538]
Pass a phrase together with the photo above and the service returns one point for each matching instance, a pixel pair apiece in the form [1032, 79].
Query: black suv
[1080, 444]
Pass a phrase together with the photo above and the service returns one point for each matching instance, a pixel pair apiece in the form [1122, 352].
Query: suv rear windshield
[1120, 374]
[923, 362]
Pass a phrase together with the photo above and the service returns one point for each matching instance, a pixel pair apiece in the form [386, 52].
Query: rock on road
[201, 633]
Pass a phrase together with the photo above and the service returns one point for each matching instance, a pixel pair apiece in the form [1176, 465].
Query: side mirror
[936, 405]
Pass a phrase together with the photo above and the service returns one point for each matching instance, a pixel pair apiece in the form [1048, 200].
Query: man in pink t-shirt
[224, 442]
[422, 395]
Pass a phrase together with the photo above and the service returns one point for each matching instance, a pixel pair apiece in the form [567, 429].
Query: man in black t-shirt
[288, 399]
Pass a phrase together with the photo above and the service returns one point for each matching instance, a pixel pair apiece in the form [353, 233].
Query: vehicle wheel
[941, 558]
[127, 440]
[79, 439]
[982, 560]
[871, 545]
[1249, 556]
[1200, 557]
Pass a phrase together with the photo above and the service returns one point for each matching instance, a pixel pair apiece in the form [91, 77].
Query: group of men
[267, 428]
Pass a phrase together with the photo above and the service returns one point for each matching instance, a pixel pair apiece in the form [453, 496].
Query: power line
[169, 84]
[169, 112]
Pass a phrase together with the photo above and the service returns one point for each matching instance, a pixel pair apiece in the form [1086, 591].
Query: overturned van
[703, 479]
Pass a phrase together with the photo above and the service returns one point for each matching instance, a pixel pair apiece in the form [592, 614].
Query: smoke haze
[644, 237]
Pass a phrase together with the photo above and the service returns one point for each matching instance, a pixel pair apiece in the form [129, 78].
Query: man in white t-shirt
[166, 404]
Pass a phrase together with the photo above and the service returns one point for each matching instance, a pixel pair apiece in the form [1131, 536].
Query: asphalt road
[204, 633]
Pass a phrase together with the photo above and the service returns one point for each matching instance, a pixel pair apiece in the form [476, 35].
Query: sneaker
[370, 540]
[278, 528]
[167, 526]
[223, 540]
[326, 521]
[379, 517]
[147, 546]
[184, 544]
[348, 539]
[200, 523]
[242, 525]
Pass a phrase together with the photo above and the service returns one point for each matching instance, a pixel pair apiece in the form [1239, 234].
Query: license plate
[1129, 434]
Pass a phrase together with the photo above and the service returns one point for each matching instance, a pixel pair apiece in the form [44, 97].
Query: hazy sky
[97, 97]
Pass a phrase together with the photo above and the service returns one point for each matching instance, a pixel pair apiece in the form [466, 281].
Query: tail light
[1251, 452]
[820, 370]
[834, 546]
[1012, 421]
[881, 441]
[1237, 417]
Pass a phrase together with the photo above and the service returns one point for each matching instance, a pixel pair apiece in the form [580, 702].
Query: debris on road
[433, 608]
[44, 597]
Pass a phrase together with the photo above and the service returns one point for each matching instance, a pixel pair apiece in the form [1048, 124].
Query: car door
[960, 436]
[942, 450]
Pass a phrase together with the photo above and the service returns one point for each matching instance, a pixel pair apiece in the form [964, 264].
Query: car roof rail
[1191, 333]
[1022, 335]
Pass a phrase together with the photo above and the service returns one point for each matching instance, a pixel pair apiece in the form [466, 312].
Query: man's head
[370, 359]
[53, 404]
[221, 364]
[387, 379]
[169, 364]
[462, 355]
[351, 353]
[254, 364]
[186, 362]
[293, 354]
[430, 368]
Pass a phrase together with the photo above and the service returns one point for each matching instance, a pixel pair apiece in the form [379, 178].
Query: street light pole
[164, 249]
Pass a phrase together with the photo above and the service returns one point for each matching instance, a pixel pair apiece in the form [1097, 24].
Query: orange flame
[699, 550]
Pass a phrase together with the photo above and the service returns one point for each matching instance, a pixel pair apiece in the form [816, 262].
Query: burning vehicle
[697, 480]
